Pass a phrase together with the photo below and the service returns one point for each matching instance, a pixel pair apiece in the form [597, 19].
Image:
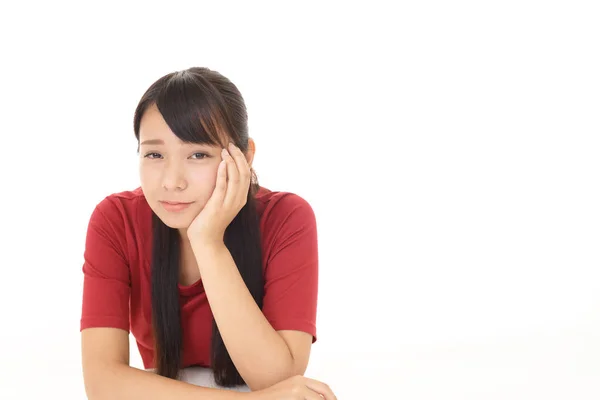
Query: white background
[449, 150]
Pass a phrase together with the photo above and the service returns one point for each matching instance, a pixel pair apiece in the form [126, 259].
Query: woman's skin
[216, 182]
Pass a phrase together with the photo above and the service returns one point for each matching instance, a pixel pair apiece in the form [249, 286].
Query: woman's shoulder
[126, 217]
[284, 214]
[280, 204]
[122, 203]
[123, 212]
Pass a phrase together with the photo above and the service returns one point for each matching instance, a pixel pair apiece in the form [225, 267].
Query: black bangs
[193, 109]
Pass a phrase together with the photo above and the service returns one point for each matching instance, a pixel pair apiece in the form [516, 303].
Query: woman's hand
[295, 388]
[228, 198]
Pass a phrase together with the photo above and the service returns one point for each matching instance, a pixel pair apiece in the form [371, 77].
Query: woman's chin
[174, 221]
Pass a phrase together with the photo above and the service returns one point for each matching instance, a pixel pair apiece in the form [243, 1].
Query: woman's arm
[108, 376]
[259, 353]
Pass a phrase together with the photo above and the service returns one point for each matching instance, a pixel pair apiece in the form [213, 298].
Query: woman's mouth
[174, 206]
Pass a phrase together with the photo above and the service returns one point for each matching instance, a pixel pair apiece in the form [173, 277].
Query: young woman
[201, 264]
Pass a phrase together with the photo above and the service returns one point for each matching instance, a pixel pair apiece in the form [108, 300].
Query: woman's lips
[174, 207]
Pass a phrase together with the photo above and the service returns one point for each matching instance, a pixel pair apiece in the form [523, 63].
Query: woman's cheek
[206, 177]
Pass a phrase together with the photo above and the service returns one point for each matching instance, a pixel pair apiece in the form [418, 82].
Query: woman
[201, 264]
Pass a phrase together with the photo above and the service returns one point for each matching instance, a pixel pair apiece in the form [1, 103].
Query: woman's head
[182, 122]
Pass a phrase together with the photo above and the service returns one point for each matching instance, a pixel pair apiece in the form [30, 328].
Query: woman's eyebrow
[152, 142]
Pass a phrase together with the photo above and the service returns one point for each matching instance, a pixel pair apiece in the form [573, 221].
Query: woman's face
[173, 171]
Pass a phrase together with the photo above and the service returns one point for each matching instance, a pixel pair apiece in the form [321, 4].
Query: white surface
[204, 377]
[449, 150]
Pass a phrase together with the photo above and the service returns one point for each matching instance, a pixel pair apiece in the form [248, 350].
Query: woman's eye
[200, 155]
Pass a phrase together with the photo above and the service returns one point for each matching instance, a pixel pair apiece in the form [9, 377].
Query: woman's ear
[251, 151]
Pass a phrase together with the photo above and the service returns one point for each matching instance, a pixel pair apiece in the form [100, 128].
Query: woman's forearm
[259, 353]
[122, 382]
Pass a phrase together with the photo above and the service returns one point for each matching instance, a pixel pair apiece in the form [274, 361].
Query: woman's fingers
[238, 172]
[220, 191]
[320, 388]
[312, 395]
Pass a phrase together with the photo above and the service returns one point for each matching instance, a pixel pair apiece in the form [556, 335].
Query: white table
[204, 377]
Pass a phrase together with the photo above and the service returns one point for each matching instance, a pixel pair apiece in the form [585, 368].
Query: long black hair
[200, 106]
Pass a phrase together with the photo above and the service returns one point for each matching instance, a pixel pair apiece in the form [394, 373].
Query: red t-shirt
[116, 269]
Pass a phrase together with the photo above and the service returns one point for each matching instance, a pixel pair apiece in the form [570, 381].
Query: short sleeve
[106, 279]
[291, 272]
